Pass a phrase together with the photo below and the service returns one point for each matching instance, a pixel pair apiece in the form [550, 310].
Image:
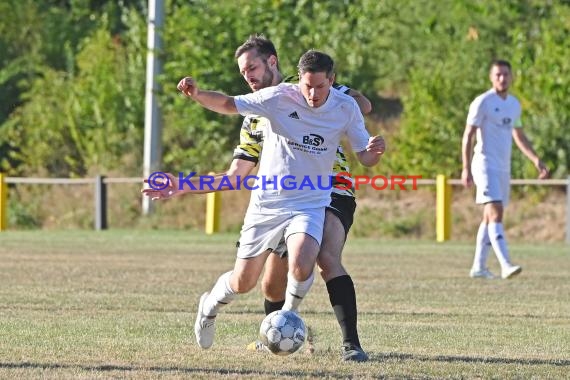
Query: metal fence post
[443, 209]
[3, 203]
[100, 203]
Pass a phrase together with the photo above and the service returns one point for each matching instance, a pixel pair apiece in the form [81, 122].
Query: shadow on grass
[468, 359]
[186, 370]
[379, 357]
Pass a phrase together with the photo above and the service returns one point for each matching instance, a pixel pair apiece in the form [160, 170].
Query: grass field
[121, 304]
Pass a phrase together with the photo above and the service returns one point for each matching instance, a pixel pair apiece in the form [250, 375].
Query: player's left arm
[368, 149]
[525, 147]
[374, 150]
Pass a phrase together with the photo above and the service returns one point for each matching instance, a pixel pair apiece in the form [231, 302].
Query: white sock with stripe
[499, 243]
[220, 295]
[482, 245]
[296, 291]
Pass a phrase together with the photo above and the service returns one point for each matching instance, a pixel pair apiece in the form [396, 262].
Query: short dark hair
[262, 45]
[500, 62]
[316, 62]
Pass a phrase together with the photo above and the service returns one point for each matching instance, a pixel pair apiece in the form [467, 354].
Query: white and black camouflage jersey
[251, 142]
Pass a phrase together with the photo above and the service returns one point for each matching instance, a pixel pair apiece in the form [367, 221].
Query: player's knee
[301, 273]
[328, 262]
[492, 215]
[243, 285]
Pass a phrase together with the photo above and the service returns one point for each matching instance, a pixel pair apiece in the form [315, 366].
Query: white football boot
[510, 271]
[205, 327]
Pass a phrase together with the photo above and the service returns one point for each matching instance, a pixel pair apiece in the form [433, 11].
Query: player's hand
[543, 172]
[188, 86]
[376, 144]
[466, 178]
[163, 187]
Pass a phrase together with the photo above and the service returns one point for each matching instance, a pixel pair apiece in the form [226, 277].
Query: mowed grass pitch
[121, 304]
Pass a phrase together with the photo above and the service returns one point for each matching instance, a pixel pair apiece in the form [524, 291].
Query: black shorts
[343, 206]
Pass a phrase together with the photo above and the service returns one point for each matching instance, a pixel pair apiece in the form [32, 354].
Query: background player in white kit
[494, 117]
[306, 123]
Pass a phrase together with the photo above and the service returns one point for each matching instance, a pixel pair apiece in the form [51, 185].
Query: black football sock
[343, 300]
[270, 306]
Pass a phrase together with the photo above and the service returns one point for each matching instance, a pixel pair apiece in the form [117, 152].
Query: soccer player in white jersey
[306, 123]
[259, 65]
[494, 117]
[258, 62]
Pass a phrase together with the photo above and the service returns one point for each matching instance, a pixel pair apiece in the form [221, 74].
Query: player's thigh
[302, 253]
[274, 280]
[338, 220]
[333, 240]
[303, 236]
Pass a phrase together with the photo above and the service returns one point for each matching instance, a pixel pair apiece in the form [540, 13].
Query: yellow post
[443, 209]
[3, 203]
[213, 207]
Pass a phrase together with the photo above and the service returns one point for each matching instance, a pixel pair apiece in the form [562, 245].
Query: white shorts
[262, 231]
[492, 185]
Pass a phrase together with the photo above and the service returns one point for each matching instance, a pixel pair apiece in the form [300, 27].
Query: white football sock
[481, 248]
[220, 295]
[499, 243]
[296, 291]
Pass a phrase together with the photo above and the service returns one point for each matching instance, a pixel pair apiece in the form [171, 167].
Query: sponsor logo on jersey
[313, 139]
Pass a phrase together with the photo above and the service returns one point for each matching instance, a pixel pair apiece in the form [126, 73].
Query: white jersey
[300, 145]
[495, 119]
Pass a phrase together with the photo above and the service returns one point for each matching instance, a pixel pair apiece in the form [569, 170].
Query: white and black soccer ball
[283, 332]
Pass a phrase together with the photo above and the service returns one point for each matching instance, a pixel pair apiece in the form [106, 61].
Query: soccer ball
[282, 332]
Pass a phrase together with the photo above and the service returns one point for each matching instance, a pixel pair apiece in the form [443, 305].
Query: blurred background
[72, 101]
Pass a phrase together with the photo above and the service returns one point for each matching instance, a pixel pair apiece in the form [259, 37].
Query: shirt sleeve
[250, 140]
[341, 87]
[257, 103]
[476, 113]
[356, 131]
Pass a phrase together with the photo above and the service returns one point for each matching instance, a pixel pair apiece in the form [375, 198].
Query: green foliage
[88, 117]
[542, 47]
[22, 216]
[72, 76]
[450, 69]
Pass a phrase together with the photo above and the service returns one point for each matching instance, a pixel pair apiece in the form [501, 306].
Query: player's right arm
[212, 100]
[475, 119]
[246, 157]
[363, 103]
[229, 180]
[466, 153]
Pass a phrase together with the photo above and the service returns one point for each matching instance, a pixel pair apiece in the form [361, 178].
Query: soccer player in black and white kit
[294, 112]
